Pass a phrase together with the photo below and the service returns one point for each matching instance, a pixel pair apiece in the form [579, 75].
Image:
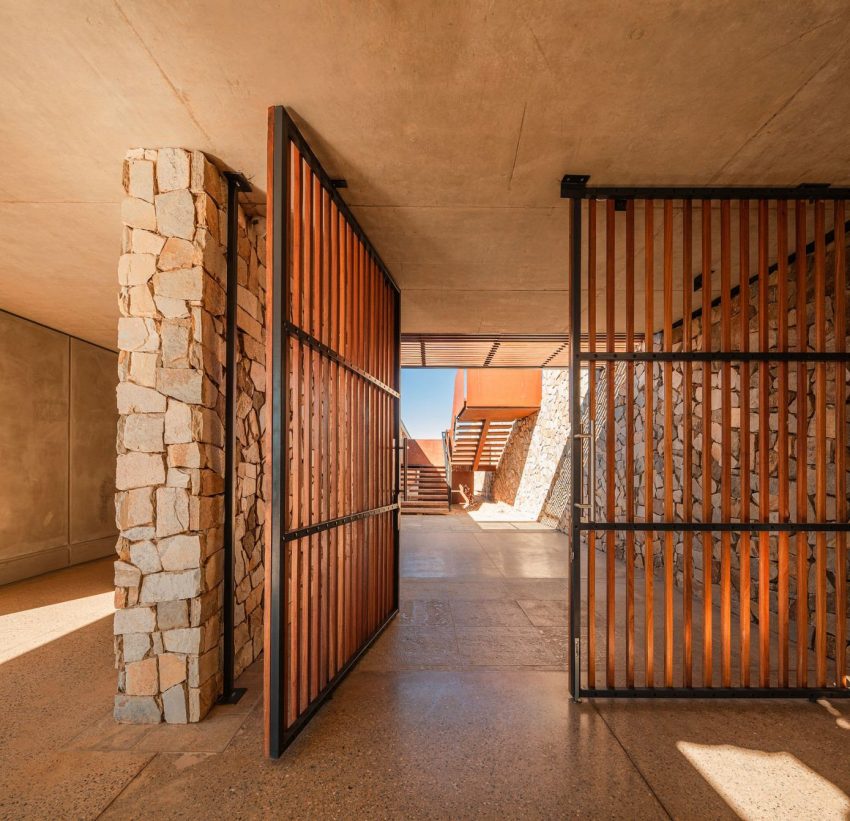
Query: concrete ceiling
[452, 122]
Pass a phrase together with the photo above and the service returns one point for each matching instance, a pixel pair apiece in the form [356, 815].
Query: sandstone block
[248, 302]
[145, 556]
[175, 214]
[175, 336]
[126, 575]
[143, 369]
[137, 213]
[205, 176]
[133, 508]
[138, 470]
[142, 678]
[140, 179]
[134, 620]
[136, 268]
[174, 705]
[135, 646]
[172, 169]
[177, 253]
[172, 670]
[258, 376]
[136, 710]
[143, 432]
[172, 614]
[172, 511]
[178, 423]
[182, 283]
[180, 552]
[139, 534]
[185, 384]
[137, 334]
[200, 668]
[141, 301]
[184, 640]
[177, 478]
[170, 586]
[171, 308]
[211, 483]
[146, 242]
[187, 455]
[206, 512]
[137, 399]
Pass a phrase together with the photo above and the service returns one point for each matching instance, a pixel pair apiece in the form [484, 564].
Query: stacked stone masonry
[519, 456]
[171, 437]
[528, 465]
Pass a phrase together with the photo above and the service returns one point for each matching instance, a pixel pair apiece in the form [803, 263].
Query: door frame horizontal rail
[574, 186]
[330, 524]
[717, 692]
[716, 527]
[716, 356]
[299, 333]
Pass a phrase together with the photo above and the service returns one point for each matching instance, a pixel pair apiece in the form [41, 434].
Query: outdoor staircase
[426, 490]
[478, 444]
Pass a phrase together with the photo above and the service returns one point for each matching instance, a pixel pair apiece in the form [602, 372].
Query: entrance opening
[483, 579]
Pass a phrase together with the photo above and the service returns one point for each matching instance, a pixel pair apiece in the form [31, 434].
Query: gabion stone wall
[527, 469]
[520, 454]
[170, 463]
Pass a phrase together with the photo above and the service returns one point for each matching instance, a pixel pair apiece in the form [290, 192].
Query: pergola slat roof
[492, 350]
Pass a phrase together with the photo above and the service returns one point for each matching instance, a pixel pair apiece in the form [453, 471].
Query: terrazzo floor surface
[459, 710]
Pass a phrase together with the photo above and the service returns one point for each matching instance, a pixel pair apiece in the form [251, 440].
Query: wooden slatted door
[710, 455]
[332, 516]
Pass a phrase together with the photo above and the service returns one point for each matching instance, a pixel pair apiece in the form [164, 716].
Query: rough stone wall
[521, 458]
[170, 464]
[535, 448]
[250, 426]
[556, 508]
[709, 506]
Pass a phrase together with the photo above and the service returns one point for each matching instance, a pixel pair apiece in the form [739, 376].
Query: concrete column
[170, 463]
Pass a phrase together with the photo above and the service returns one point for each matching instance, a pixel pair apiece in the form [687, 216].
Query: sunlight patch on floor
[499, 512]
[759, 785]
[28, 629]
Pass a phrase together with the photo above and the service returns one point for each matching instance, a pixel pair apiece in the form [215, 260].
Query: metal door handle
[590, 505]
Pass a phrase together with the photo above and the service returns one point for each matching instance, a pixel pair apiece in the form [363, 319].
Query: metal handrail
[447, 458]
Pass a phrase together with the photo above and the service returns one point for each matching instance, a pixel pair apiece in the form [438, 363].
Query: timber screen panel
[691, 426]
[332, 543]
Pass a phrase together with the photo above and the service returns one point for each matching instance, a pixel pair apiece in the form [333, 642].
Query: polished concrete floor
[459, 710]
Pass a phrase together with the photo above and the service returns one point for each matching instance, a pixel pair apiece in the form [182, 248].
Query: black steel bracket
[571, 184]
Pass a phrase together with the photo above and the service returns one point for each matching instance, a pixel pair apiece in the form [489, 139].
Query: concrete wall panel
[34, 391]
[94, 417]
[57, 449]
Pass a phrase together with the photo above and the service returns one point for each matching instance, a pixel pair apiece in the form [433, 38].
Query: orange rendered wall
[425, 452]
[504, 388]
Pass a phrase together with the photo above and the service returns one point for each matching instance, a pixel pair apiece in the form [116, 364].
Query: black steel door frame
[575, 189]
[283, 133]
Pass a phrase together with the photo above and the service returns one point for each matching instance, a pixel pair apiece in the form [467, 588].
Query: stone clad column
[169, 500]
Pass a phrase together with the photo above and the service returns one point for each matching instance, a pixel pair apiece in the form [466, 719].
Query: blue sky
[426, 400]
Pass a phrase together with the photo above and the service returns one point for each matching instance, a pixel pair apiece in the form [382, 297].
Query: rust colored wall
[425, 452]
[504, 388]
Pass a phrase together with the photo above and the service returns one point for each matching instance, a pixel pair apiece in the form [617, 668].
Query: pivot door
[332, 519]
